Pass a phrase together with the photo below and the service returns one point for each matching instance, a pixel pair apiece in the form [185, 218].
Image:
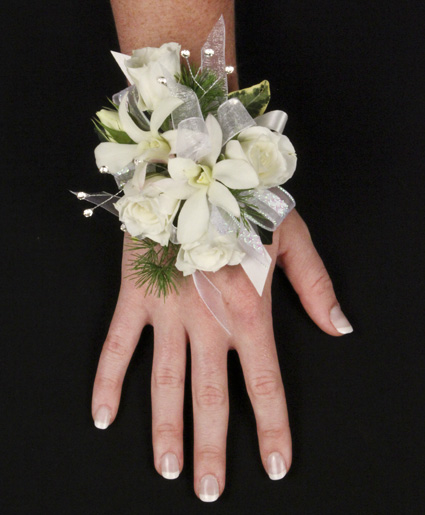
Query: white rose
[148, 214]
[271, 154]
[146, 65]
[209, 254]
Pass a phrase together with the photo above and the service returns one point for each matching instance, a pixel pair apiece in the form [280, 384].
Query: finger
[123, 335]
[307, 274]
[167, 390]
[259, 361]
[210, 412]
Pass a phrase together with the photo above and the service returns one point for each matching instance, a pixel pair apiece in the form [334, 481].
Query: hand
[184, 317]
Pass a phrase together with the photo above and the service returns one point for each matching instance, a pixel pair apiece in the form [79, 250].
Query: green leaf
[255, 99]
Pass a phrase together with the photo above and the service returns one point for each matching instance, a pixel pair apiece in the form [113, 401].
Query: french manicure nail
[208, 490]
[170, 466]
[339, 321]
[275, 466]
[102, 418]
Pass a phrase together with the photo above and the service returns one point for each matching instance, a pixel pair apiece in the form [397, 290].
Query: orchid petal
[176, 189]
[193, 218]
[181, 168]
[115, 155]
[236, 174]
[165, 108]
[171, 138]
[127, 123]
[216, 141]
[220, 196]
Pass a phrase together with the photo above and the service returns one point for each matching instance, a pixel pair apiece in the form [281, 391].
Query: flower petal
[220, 196]
[165, 108]
[115, 155]
[216, 141]
[181, 168]
[176, 189]
[236, 173]
[194, 217]
[171, 138]
[234, 150]
[127, 123]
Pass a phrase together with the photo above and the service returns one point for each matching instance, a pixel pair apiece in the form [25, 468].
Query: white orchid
[206, 181]
[148, 146]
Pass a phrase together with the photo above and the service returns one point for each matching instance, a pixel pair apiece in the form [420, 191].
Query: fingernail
[208, 490]
[340, 321]
[170, 466]
[275, 466]
[102, 418]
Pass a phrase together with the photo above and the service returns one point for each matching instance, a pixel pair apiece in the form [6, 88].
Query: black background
[350, 76]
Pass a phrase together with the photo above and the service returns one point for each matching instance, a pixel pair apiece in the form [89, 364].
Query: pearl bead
[229, 69]
[123, 228]
[209, 52]
[162, 80]
[185, 54]
[81, 195]
[88, 213]
[103, 169]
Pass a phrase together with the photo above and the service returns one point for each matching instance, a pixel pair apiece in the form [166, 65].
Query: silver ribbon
[213, 54]
[273, 120]
[233, 118]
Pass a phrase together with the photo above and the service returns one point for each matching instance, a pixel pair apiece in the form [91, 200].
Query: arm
[184, 317]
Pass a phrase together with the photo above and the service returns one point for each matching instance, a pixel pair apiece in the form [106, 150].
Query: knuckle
[167, 377]
[322, 284]
[266, 385]
[211, 396]
[115, 346]
[108, 383]
[168, 431]
[208, 453]
[272, 433]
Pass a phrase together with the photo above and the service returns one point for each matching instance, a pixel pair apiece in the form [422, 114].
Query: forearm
[143, 23]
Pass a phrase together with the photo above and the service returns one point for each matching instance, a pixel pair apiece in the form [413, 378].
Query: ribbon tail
[212, 298]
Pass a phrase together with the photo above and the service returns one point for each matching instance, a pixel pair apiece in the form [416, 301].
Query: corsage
[199, 170]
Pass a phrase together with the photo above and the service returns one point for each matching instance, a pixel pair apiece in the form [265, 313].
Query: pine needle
[154, 266]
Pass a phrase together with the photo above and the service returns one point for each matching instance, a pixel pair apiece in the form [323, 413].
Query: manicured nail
[102, 418]
[170, 466]
[275, 466]
[208, 490]
[339, 321]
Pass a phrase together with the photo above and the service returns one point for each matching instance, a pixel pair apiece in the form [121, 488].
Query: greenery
[255, 99]
[154, 266]
[207, 87]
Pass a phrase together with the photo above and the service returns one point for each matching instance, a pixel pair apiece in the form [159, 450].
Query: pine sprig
[248, 209]
[154, 266]
[207, 87]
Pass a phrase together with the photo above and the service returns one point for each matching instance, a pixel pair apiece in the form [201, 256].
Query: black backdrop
[350, 76]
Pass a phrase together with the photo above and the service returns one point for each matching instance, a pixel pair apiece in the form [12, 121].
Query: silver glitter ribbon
[213, 54]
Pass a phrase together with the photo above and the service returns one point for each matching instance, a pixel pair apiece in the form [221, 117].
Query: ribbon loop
[233, 118]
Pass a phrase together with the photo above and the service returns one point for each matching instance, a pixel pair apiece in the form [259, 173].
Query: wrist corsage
[199, 170]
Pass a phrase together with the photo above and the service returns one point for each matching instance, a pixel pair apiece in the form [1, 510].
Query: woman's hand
[184, 317]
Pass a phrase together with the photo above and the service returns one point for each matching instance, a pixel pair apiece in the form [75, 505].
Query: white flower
[148, 214]
[271, 154]
[146, 66]
[210, 253]
[110, 119]
[148, 146]
[206, 181]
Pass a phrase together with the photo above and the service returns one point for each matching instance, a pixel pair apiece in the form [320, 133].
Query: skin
[176, 323]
